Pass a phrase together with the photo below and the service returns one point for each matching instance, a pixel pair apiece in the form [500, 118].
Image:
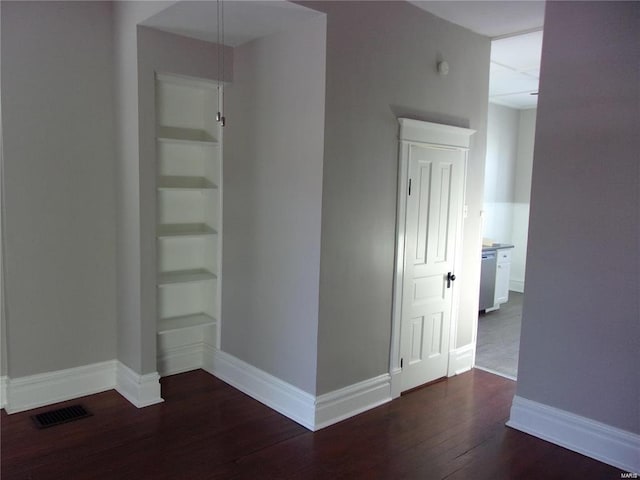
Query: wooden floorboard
[206, 429]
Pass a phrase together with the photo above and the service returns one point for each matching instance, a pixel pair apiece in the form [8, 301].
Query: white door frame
[434, 135]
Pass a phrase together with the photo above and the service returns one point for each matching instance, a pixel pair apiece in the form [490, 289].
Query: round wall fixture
[443, 68]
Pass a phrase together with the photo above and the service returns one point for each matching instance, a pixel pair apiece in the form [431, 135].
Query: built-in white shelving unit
[189, 166]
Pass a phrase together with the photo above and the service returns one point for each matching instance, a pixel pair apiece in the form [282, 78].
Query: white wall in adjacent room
[521, 197]
[500, 169]
[510, 135]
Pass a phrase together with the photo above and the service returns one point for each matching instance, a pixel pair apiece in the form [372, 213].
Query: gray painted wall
[57, 97]
[3, 323]
[273, 153]
[136, 342]
[580, 346]
[381, 64]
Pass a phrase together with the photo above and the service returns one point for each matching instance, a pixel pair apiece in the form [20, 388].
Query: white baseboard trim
[495, 372]
[304, 408]
[3, 391]
[208, 354]
[180, 359]
[25, 393]
[347, 402]
[33, 391]
[594, 439]
[140, 390]
[461, 360]
[516, 285]
[396, 382]
[283, 397]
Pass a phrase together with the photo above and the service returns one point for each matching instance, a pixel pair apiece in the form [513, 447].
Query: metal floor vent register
[59, 416]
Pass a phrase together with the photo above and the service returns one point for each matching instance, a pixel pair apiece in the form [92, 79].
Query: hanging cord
[218, 56]
[223, 120]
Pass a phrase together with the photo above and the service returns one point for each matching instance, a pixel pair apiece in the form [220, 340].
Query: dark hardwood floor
[205, 429]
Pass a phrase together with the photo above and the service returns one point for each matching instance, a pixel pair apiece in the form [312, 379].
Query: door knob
[450, 278]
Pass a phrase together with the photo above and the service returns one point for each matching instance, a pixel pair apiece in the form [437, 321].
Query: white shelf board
[185, 135]
[185, 321]
[185, 183]
[186, 81]
[185, 276]
[185, 230]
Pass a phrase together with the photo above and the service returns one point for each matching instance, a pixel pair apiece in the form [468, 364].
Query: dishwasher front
[487, 279]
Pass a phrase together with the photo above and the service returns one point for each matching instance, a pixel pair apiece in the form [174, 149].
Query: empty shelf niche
[188, 206]
[185, 321]
[188, 253]
[185, 109]
[183, 342]
[188, 160]
[186, 299]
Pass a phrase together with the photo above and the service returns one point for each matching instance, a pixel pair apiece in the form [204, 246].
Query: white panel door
[434, 207]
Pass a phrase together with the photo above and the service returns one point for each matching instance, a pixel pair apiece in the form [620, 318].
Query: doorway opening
[513, 88]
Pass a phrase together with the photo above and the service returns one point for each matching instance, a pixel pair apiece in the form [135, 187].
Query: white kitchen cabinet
[503, 272]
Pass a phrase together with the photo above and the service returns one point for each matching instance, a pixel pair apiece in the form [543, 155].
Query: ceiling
[515, 60]
[244, 20]
[515, 70]
[489, 18]
[516, 30]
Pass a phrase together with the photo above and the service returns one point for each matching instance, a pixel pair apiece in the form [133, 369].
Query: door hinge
[401, 362]
[409, 187]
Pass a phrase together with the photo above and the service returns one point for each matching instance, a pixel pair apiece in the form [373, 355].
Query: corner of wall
[140, 390]
[25, 393]
[283, 397]
[3, 391]
[312, 412]
[461, 360]
[333, 407]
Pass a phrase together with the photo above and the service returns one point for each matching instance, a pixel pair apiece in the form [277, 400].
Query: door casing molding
[436, 136]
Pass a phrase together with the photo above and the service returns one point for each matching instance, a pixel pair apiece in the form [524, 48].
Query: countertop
[496, 246]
